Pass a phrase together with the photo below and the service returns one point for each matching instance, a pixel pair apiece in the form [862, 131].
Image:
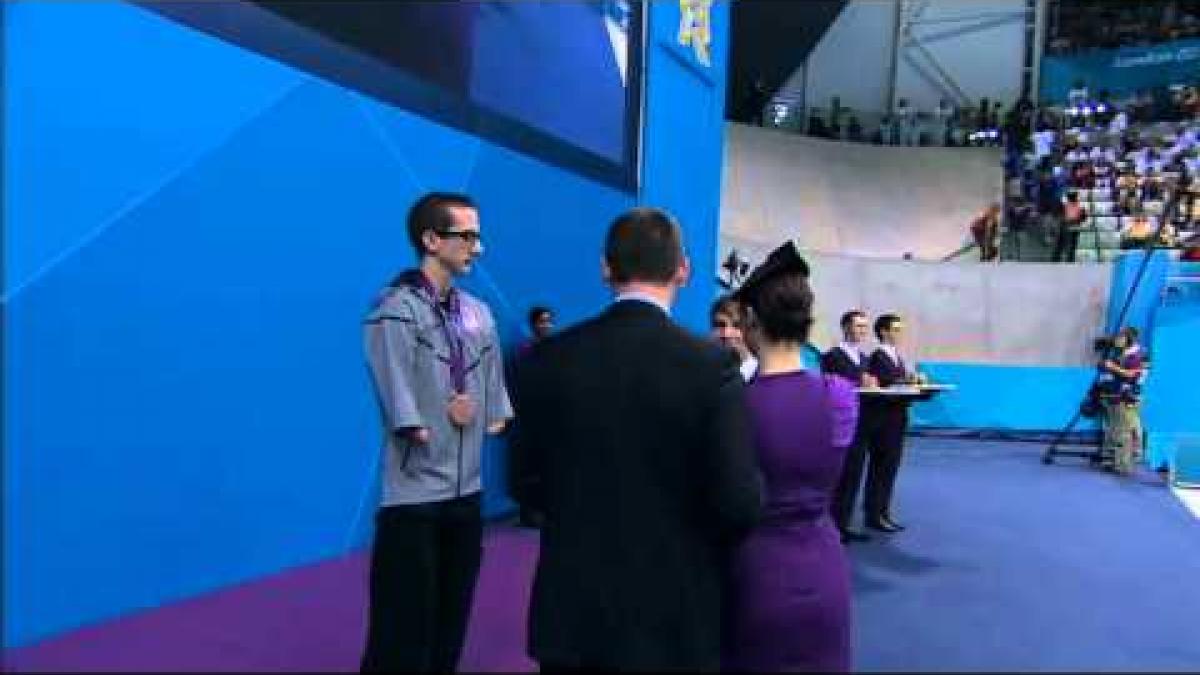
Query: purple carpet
[308, 619]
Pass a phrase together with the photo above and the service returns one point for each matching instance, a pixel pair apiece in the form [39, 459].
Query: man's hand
[497, 427]
[868, 380]
[461, 410]
[418, 435]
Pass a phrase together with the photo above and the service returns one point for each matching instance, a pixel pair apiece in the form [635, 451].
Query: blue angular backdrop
[192, 235]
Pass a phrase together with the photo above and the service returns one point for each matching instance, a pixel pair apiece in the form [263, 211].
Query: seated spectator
[1128, 204]
[1191, 102]
[1081, 176]
[1127, 181]
[1119, 123]
[887, 129]
[1043, 143]
[1137, 231]
[1067, 240]
[1078, 95]
[1102, 154]
[816, 126]
[944, 118]
[1022, 215]
[1192, 163]
[854, 130]
[1152, 189]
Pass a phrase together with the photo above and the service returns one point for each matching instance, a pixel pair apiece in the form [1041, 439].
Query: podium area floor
[1191, 498]
[1006, 565]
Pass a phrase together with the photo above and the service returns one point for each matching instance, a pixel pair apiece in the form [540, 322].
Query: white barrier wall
[1019, 314]
[837, 197]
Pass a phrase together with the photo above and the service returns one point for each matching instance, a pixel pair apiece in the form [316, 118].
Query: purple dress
[789, 599]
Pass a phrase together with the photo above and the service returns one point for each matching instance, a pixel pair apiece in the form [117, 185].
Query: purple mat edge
[309, 618]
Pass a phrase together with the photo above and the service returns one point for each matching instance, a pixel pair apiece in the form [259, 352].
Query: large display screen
[561, 81]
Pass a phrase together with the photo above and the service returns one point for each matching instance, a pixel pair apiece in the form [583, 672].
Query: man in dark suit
[849, 361]
[638, 433]
[885, 442]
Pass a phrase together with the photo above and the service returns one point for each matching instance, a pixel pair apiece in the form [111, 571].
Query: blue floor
[1011, 565]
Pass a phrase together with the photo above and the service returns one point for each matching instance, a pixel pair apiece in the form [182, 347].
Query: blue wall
[1033, 398]
[1143, 301]
[187, 260]
[1169, 400]
[1121, 71]
[1039, 398]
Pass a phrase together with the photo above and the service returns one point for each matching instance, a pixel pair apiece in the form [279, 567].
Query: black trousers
[1065, 245]
[556, 668]
[424, 564]
[846, 492]
[885, 449]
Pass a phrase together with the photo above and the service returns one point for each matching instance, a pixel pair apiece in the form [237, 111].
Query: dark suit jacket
[638, 433]
[888, 372]
[836, 362]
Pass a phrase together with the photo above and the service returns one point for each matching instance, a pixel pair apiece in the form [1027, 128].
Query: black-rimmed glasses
[467, 236]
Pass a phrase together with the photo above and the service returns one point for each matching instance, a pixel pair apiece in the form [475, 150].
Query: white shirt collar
[852, 350]
[749, 367]
[890, 350]
[644, 297]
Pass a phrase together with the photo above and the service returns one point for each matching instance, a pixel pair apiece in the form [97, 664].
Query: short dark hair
[643, 244]
[850, 316]
[726, 304]
[783, 307]
[885, 322]
[432, 213]
[536, 312]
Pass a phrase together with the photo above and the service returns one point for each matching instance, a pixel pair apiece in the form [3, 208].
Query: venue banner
[1121, 71]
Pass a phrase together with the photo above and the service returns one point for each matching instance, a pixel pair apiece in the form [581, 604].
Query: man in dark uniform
[848, 360]
[885, 443]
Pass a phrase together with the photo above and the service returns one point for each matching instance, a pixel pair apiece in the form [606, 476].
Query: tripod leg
[1048, 457]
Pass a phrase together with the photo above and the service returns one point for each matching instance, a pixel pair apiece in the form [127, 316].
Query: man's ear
[683, 273]
[430, 240]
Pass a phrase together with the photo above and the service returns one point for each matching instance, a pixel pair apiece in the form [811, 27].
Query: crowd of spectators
[1076, 26]
[1109, 168]
[947, 124]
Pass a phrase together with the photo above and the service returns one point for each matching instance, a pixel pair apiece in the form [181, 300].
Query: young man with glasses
[436, 364]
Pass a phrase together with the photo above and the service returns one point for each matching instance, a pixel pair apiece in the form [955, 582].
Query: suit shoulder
[829, 359]
[565, 341]
[393, 302]
[702, 350]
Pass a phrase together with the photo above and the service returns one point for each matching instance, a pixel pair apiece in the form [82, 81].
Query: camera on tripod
[1104, 344]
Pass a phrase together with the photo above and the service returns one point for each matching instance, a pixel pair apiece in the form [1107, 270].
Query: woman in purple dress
[789, 598]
